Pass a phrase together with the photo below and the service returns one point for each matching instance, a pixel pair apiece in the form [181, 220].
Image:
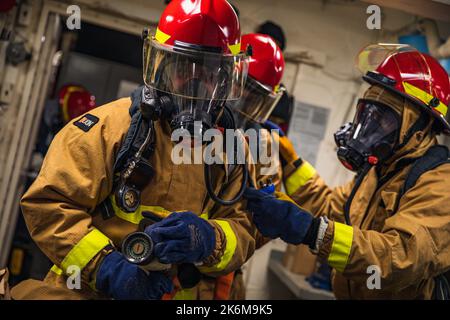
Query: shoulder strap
[136, 133]
[434, 157]
[134, 139]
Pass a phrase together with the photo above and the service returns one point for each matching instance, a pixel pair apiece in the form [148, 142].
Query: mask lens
[375, 123]
[371, 138]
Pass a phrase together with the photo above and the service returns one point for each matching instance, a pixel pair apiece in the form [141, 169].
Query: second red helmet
[262, 90]
[266, 64]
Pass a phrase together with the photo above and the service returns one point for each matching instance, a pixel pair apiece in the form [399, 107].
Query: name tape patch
[86, 122]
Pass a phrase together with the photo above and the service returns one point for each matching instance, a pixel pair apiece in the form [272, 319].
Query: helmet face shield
[372, 56]
[198, 81]
[258, 101]
[194, 74]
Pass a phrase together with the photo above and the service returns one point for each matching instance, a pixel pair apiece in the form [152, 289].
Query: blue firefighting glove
[269, 189]
[277, 216]
[123, 280]
[182, 237]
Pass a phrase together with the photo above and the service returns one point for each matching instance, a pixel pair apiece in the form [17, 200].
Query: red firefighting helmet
[262, 89]
[266, 64]
[207, 23]
[414, 75]
[6, 5]
[74, 101]
[195, 52]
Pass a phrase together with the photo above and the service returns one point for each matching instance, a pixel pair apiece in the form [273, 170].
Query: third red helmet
[75, 101]
[262, 89]
[414, 75]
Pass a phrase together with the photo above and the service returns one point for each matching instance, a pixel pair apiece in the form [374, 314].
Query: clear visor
[373, 56]
[258, 101]
[375, 123]
[193, 74]
[370, 57]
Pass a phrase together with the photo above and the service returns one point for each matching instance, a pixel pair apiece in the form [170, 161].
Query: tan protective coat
[77, 175]
[410, 246]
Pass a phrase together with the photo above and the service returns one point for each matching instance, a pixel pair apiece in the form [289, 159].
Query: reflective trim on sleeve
[185, 294]
[85, 250]
[342, 244]
[56, 270]
[229, 251]
[299, 177]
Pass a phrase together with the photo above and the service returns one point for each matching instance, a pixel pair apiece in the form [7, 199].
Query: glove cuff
[311, 234]
[106, 268]
[316, 234]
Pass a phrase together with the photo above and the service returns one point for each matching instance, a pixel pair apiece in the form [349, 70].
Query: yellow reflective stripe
[136, 217]
[424, 96]
[229, 251]
[299, 177]
[205, 215]
[56, 270]
[161, 37]
[85, 250]
[235, 48]
[342, 244]
[185, 294]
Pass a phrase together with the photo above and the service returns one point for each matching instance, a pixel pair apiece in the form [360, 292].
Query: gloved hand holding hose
[120, 279]
[182, 237]
[277, 215]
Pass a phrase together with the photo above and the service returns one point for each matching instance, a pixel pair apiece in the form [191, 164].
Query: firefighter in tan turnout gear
[110, 173]
[393, 219]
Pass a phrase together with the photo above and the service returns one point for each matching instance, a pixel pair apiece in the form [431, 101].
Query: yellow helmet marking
[161, 37]
[235, 48]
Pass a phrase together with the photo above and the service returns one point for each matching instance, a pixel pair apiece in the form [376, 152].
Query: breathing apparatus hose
[207, 172]
[358, 182]
[216, 198]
